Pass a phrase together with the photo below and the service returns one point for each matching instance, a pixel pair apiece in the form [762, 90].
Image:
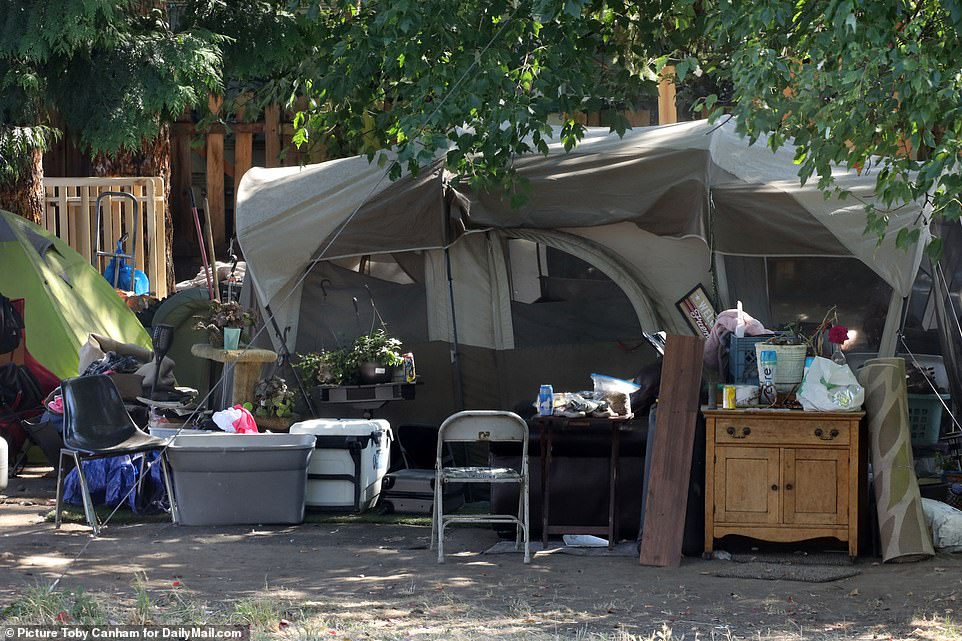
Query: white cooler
[351, 456]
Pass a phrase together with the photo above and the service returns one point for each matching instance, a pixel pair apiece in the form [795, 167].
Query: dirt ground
[382, 582]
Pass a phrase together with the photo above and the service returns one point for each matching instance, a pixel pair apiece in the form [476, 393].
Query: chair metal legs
[59, 489]
[88, 503]
[523, 529]
[437, 522]
[165, 471]
[522, 522]
[84, 491]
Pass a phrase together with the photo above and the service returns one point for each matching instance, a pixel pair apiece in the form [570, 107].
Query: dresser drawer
[744, 431]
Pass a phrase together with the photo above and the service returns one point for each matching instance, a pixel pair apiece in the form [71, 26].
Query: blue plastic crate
[742, 363]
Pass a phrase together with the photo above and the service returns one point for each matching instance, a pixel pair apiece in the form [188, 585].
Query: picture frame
[698, 310]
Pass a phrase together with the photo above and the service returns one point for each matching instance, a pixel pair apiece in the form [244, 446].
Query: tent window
[782, 290]
[381, 266]
[558, 298]
[540, 274]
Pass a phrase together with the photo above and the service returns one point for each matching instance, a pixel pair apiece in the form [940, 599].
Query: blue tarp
[113, 480]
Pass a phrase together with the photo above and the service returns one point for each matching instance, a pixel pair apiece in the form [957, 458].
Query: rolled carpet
[903, 530]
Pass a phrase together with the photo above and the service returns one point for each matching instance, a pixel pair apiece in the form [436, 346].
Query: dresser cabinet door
[747, 485]
[816, 486]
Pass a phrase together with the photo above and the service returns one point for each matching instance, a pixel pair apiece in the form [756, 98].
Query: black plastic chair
[97, 425]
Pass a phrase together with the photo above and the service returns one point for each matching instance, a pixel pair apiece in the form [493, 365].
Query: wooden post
[667, 109]
[243, 147]
[181, 178]
[215, 180]
[272, 136]
[639, 118]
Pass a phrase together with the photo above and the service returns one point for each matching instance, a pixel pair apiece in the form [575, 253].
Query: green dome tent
[65, 298]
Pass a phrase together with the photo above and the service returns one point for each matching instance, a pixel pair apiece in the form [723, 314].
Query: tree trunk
[25, 196]
[152, 159]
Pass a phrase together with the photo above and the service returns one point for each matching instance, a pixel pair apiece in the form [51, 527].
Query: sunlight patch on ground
[44, 561]
[390, 578]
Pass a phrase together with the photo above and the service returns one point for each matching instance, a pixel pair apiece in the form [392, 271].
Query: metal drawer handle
[745, 432]
[821, 434]
[788, 486]
[774, 488]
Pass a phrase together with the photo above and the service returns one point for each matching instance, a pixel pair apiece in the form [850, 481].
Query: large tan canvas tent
[611, 237]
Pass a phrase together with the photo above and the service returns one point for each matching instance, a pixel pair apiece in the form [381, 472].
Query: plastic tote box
[234, 479]
[349, 462]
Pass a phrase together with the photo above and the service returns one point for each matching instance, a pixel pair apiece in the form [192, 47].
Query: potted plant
[793, 346]
[221, 316]
[331, 367]
[273, 404]
[308, 367]
[376, 355]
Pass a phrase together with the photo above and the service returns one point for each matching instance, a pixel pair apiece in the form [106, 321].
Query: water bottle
[767, 363]
[546, 401]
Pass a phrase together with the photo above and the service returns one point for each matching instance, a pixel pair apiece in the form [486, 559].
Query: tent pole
[948, 329]
[455, 360]
[893, 321]
[286, 355]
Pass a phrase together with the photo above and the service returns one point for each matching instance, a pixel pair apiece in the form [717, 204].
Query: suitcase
[412, 492]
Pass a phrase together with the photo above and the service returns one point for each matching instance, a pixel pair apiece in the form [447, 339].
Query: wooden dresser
[783, 475]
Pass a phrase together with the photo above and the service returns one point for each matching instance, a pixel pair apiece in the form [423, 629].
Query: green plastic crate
[925, 417]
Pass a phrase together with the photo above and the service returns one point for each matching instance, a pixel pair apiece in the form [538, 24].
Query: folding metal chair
[97, 425]
[481, 426]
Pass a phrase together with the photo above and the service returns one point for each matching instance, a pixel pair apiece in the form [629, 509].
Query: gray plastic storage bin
[235, 479]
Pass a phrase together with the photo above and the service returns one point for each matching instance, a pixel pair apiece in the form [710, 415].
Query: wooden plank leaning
[667, 491]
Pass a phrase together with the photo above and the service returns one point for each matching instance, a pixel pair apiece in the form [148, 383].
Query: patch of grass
[180, 608]
[434, 617]
[124, 516]
[41, 606]
[143, 604]
[259, 613]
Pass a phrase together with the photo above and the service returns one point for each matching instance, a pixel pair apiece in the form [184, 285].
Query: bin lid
[341, 426]
[240, 442]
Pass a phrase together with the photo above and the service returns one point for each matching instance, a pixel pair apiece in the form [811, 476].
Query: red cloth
[48, 380]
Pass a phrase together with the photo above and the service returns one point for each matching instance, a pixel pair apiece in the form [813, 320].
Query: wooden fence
[70, 213]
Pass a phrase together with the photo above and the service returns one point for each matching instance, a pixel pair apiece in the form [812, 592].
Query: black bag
[11, 326]
[19, 389]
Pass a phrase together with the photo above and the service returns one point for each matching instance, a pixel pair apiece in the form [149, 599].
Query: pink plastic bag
[244, 424]
[237, 420]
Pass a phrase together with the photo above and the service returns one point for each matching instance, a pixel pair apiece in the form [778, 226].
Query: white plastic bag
[946, 524]
[616, 391]
[604, 384]
[830, 387]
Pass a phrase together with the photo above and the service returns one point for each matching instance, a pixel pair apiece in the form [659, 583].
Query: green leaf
[681, 69]
[934, 249]
[574, 7]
